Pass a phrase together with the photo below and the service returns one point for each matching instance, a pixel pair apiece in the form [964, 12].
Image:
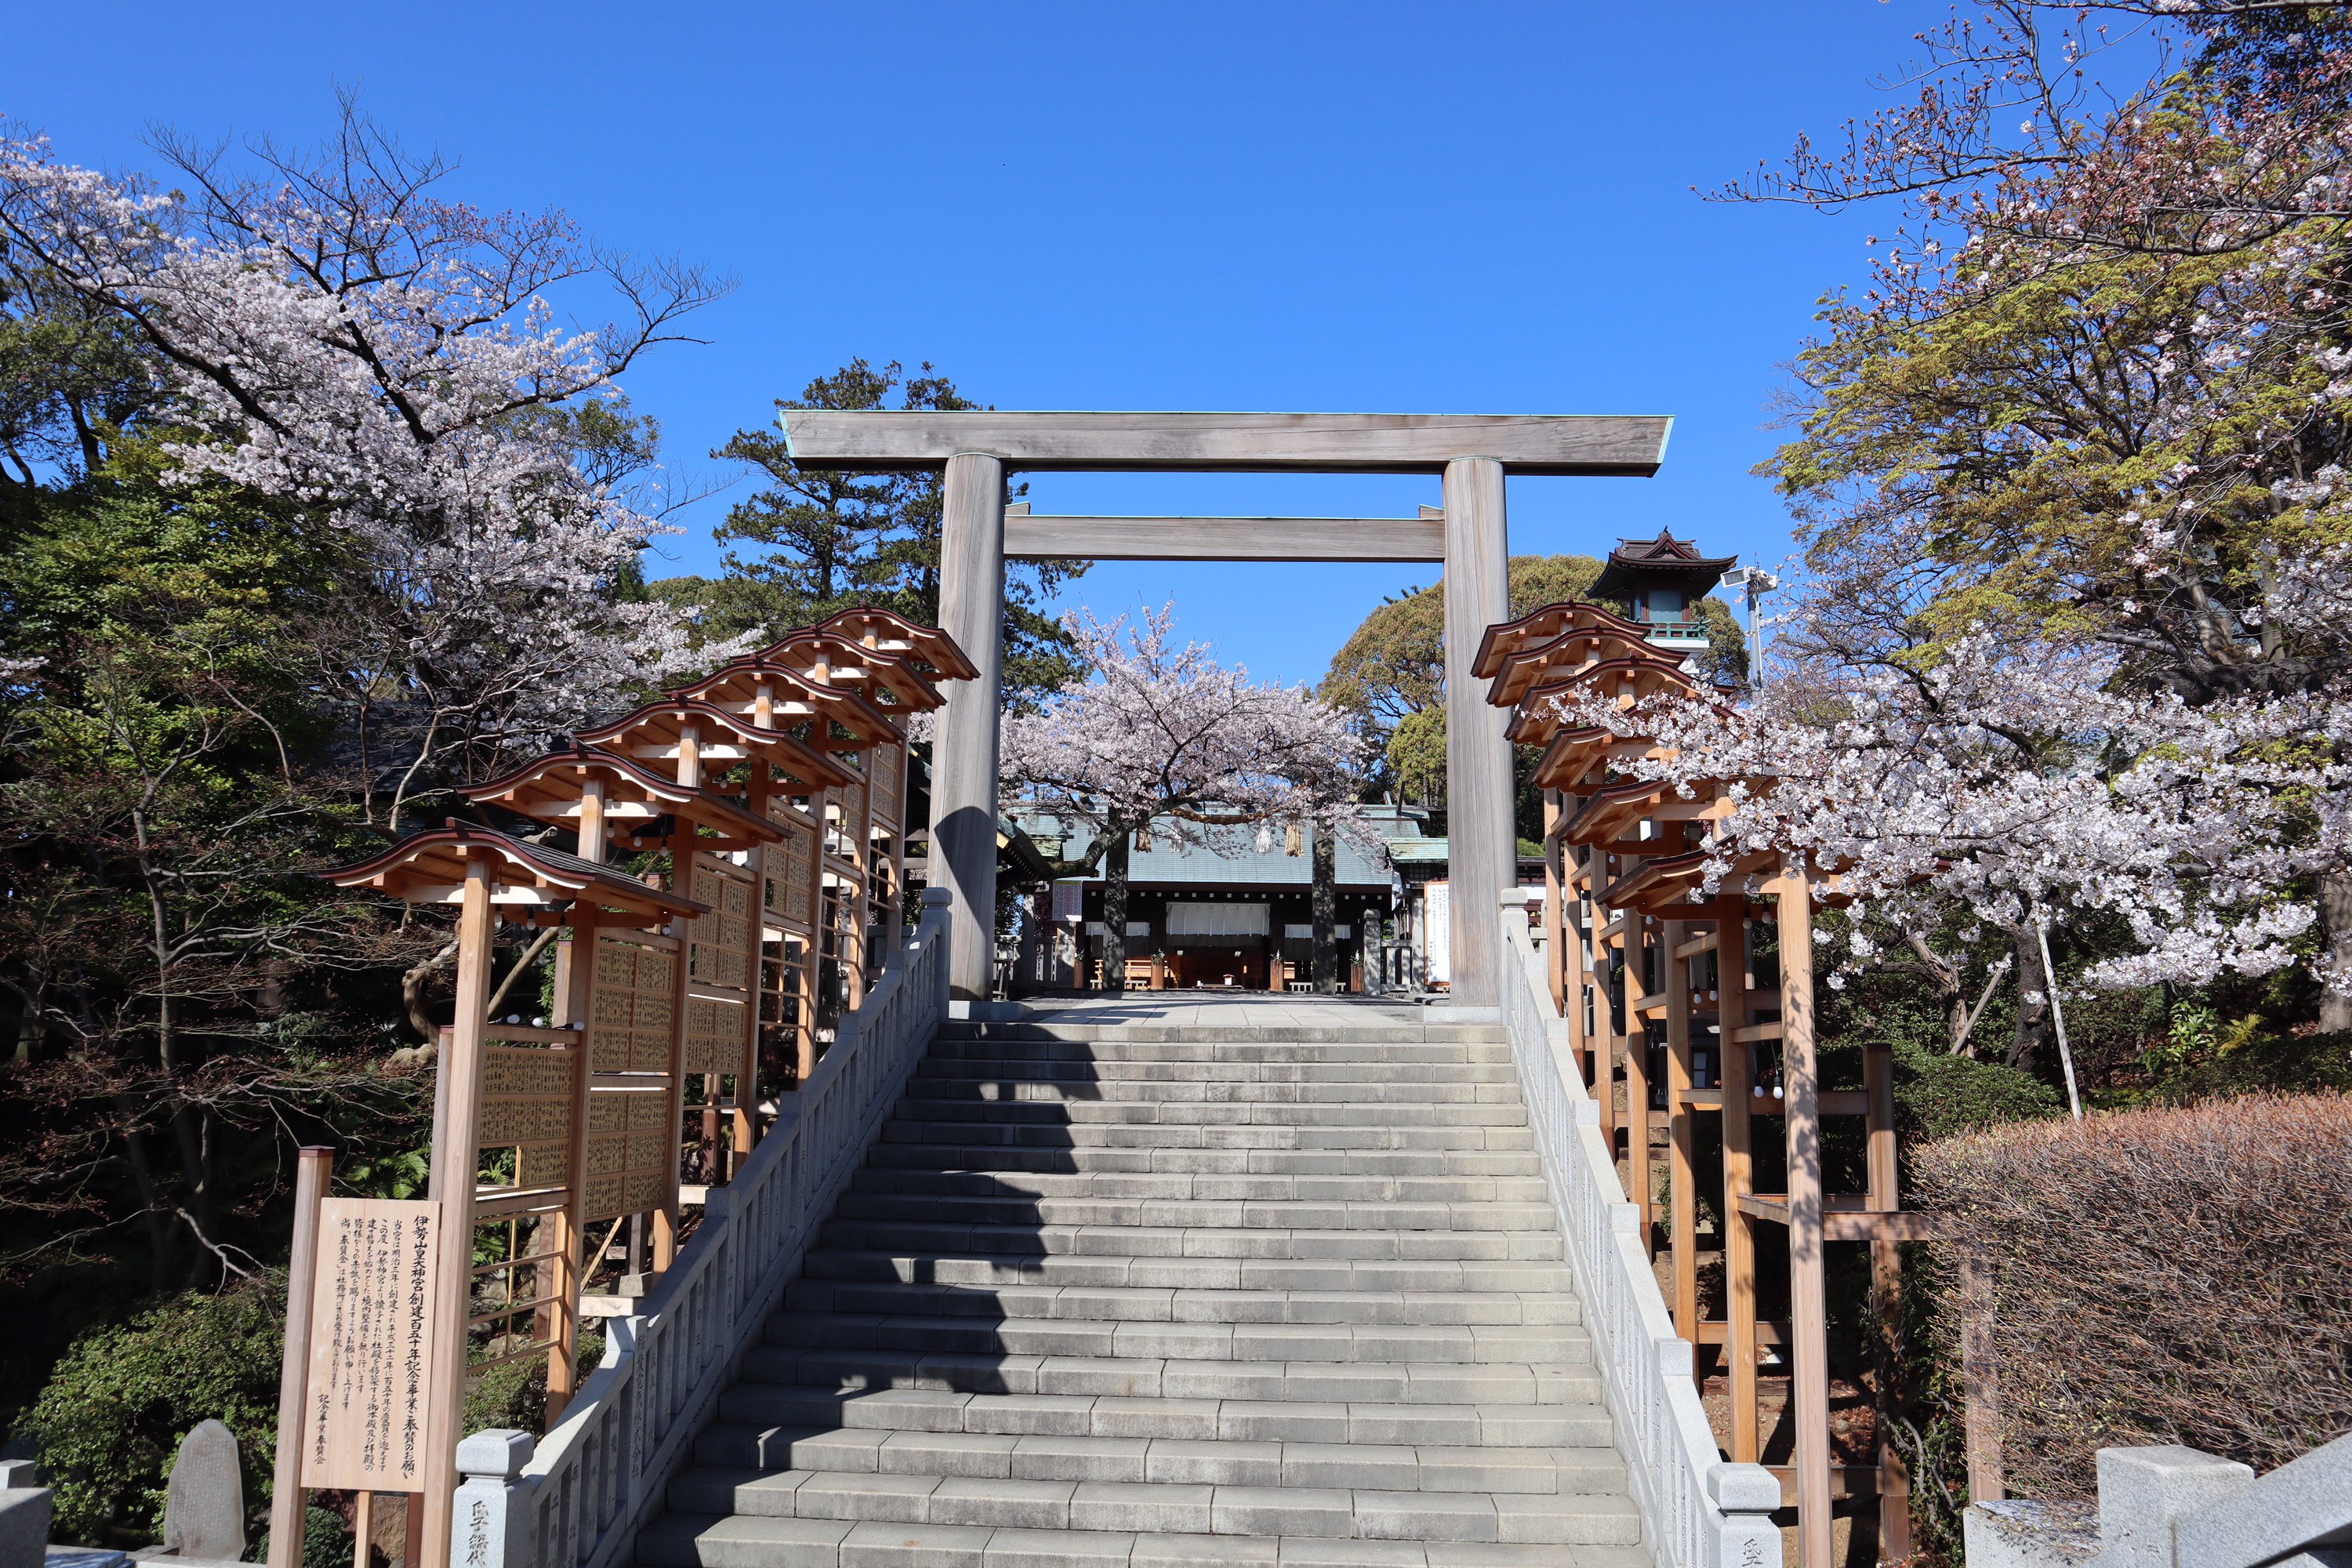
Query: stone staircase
[1107, 1295]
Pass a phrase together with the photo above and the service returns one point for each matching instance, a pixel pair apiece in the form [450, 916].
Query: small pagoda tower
[1662, 580]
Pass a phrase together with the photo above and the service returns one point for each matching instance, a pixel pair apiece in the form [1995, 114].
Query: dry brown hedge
[2159, 1276]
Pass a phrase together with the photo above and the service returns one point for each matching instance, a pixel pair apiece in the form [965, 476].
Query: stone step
[1237, 1072]
[1144, 1295]
[1454, 1055]
[1191, 1508]
[1565, 1424]
[908, 1153]
[1037, 1127]
[949, 1267]
[1384, 1467]
[905, 1341]
[1187, 1186]
[1398, 1033]
[1013, 1209]
[929, 1103]
[1148, 1304]
[1395, 1093]
[749, 1541]
[1154, 1377]
[1200, 1244]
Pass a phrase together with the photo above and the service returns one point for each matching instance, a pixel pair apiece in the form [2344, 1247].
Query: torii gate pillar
[1482, 848]
[977, 447]
[963, 760]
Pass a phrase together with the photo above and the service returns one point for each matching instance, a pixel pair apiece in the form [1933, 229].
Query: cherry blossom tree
[343, 337]
[1163, 736]
[2090, 417]
[2022, 787]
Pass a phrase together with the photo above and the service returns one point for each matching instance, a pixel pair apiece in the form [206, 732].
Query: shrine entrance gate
[978, 451]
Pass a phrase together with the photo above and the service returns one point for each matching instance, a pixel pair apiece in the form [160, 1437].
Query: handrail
[597, 1477]
[1698, 1509]
[2166, 1506]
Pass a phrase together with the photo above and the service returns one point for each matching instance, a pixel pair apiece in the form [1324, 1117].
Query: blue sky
[1427, 208]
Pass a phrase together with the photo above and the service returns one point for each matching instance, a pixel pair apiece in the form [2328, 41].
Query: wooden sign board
[527, 1107]
[366, 1400]
[890, 786]
[630, 1007]
[789, 876]
[632, 1150]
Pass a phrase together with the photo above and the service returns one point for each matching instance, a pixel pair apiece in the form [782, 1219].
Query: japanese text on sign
[371, 1332]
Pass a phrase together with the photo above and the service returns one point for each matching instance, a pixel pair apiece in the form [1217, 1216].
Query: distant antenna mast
[1757, 583]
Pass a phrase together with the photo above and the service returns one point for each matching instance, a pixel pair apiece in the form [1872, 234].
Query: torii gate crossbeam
[977, 449]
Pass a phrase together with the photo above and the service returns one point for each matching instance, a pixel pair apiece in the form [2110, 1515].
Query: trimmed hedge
[2159, 1276]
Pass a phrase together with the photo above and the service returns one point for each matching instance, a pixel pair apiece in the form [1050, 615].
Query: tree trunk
[1325, 909]
[413, 997]
[2032, 1016]
[2335, 914]
[1950, 995]
[1115, 913]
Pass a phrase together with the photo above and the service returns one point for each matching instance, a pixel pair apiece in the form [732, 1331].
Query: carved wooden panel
[631, 1150]
[527, 1106]
[849, 829]
[714, 1032]
[721, 940]
[785, 892]
[630, 1005]
[890, 787]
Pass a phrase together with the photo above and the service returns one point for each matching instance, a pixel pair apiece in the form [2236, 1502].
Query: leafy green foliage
[110, 1420]
[2258, 1061]
[1938, 1095]
[1391, 672]
[815, 541]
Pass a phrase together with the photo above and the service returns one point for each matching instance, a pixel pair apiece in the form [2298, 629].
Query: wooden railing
[1698, 1510]
[580, 1498]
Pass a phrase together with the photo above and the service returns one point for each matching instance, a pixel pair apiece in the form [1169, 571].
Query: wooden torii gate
[1656, 977]
[977, 449]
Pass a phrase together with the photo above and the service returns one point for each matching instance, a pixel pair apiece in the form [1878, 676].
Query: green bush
[2258, 1062]
[1939, 1095]
[111, 1417]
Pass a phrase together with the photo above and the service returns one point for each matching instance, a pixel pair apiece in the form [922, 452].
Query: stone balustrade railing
[577, 1497]
[1698, 1510]
[2170, 1507]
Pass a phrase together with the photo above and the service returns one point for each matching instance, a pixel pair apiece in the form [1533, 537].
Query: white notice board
[366, 1403]
[1437, 930]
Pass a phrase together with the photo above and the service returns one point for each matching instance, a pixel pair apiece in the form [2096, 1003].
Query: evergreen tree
[816, 540]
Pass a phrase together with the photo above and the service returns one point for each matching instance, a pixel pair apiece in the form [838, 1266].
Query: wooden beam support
[1736, 1075]
[1844, 1224]
[1809, 1394]
[888, 441]
[1682, 1135]
[1223, 537]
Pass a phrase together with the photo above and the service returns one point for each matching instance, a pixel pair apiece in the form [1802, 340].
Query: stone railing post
[25, 1509]
[2145, 1492]
[489, 1525]
[1748, 1495]
[942, 971]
